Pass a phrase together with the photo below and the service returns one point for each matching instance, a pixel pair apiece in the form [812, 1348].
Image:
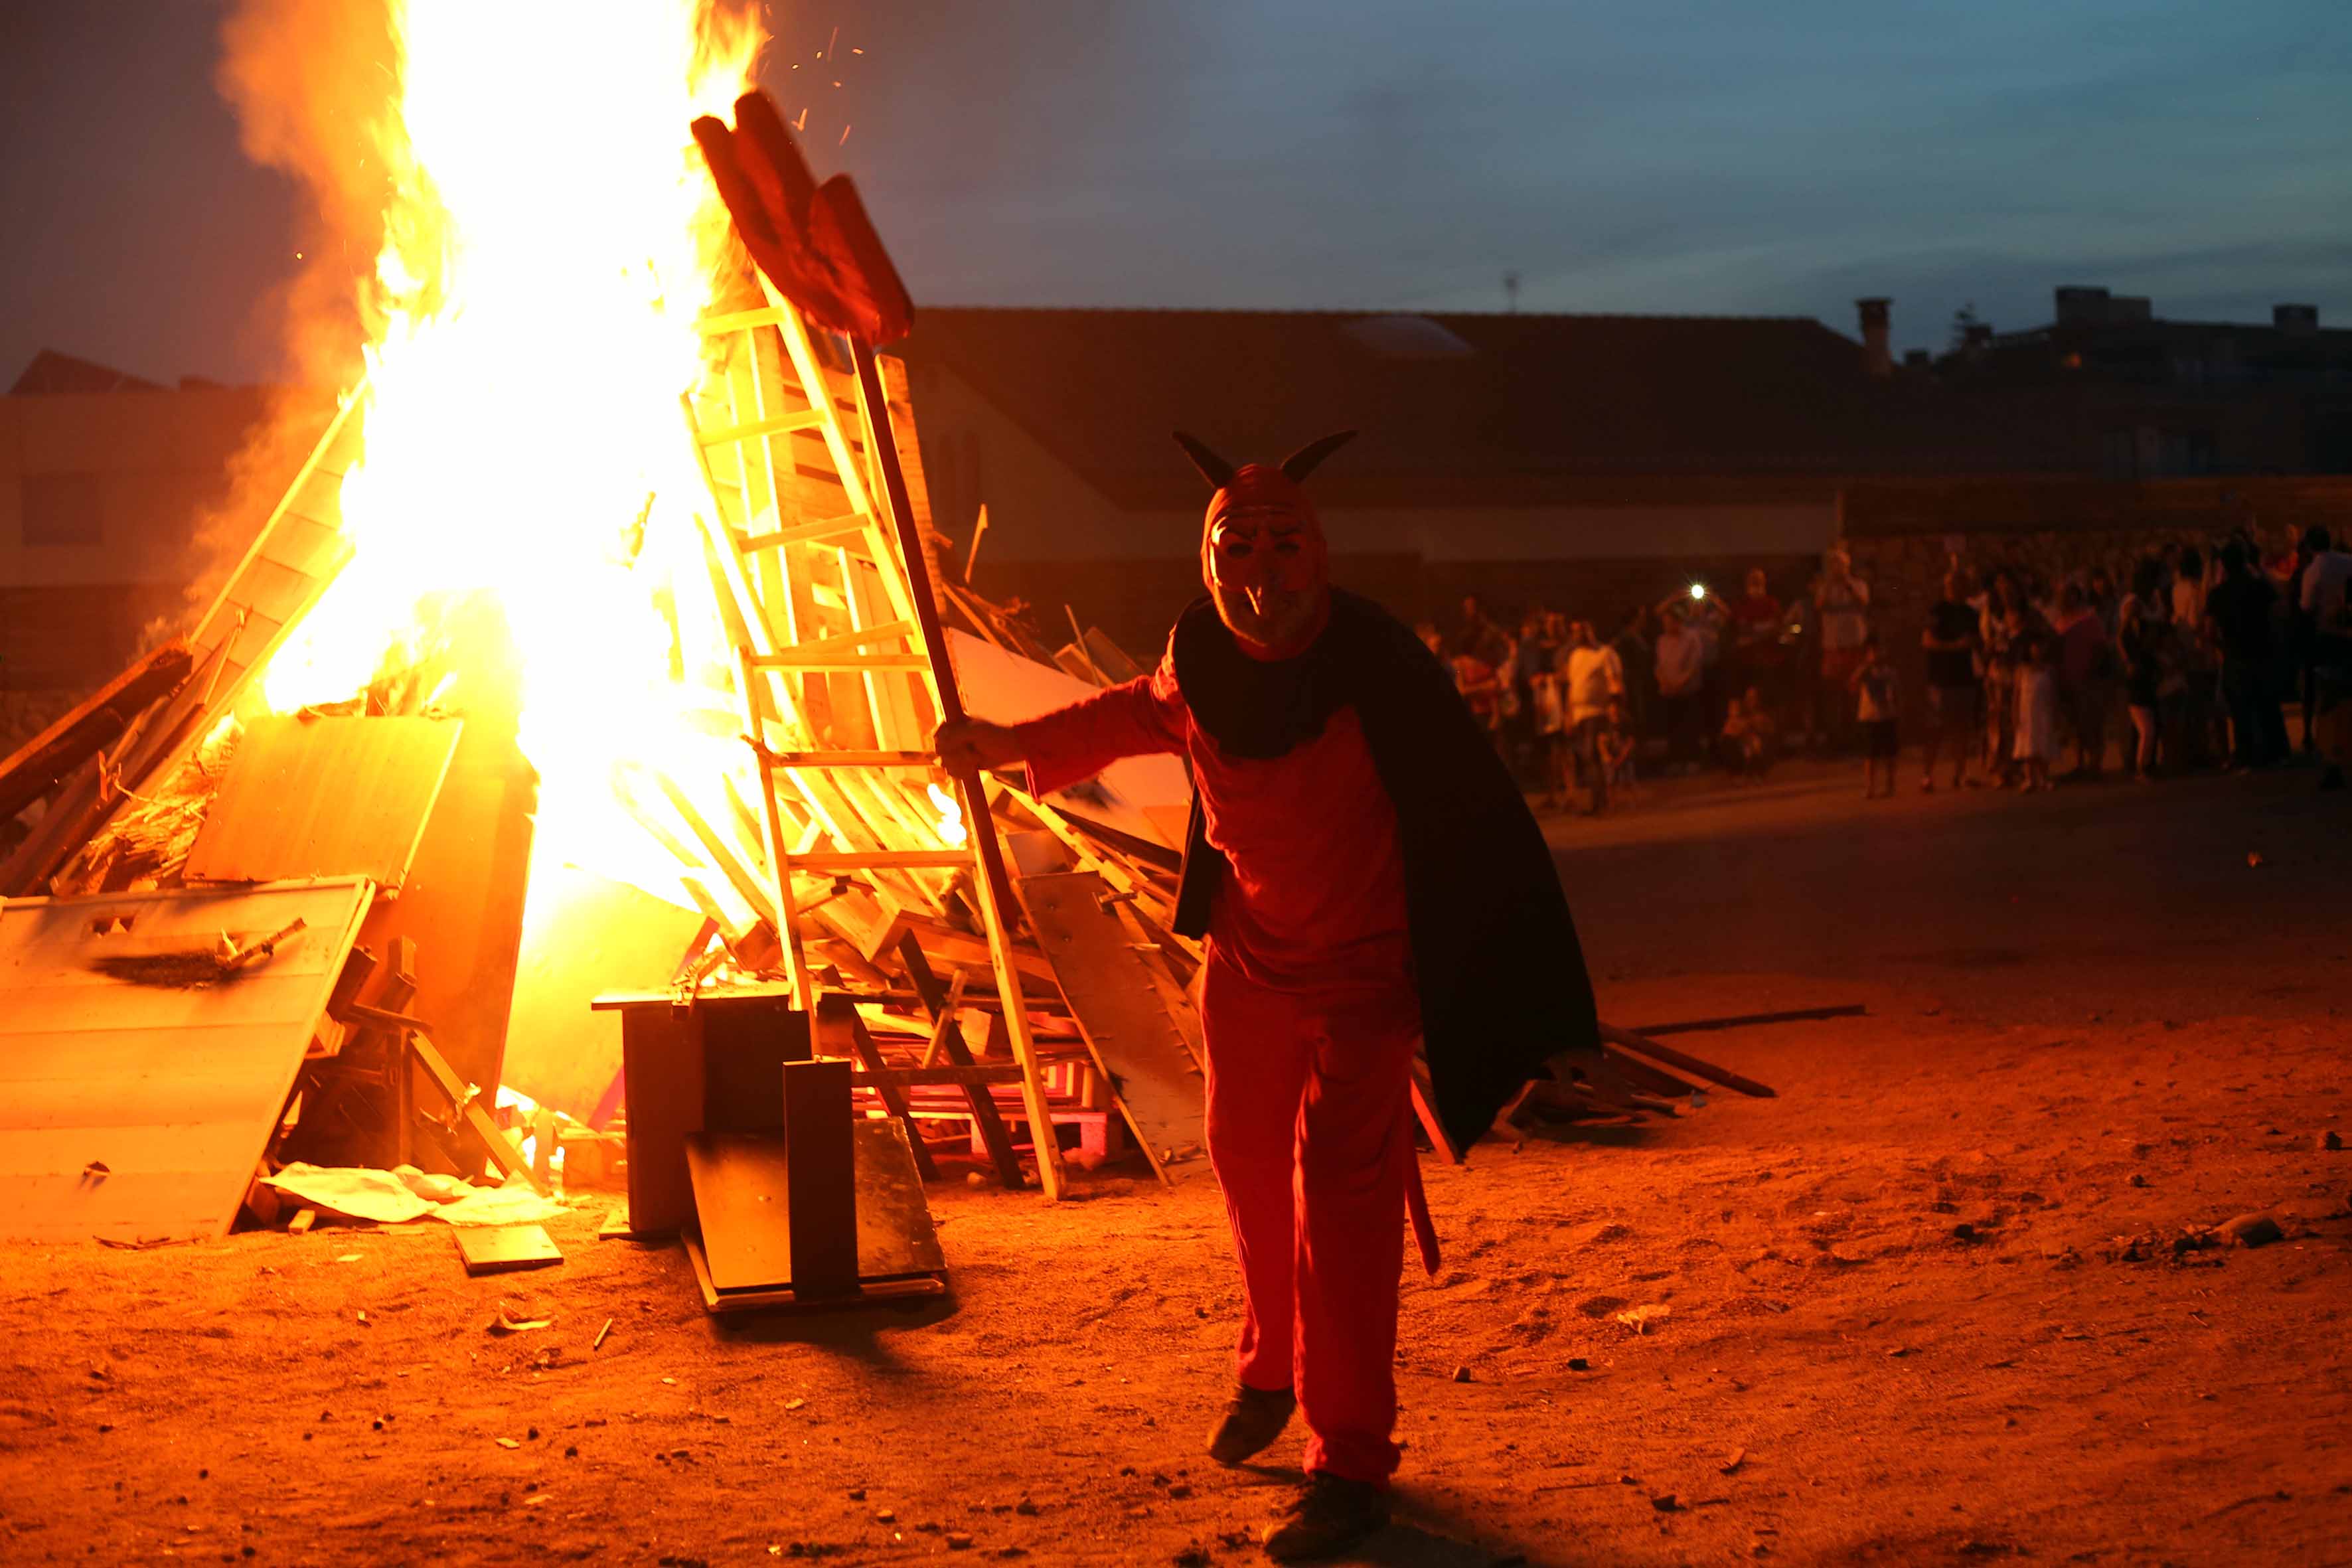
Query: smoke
[315, 91]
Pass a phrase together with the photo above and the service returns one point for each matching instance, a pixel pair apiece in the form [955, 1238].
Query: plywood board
[1120, 1011]
[504, 1248]
[741, 1196]
[583, 935]
[326, 796]
[463, 902]
[135, 1109]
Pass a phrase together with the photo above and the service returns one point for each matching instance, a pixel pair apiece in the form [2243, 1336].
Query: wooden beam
[46, 760]
[967, 1075]
[840, 1032]
[774, 424]
[882, 859]
[992, 887]
[801, 533]
[1625, 1039]
[840, 642]
[1143, 1057]
[474, 1124]
[995, 1136]
[1752, 1020]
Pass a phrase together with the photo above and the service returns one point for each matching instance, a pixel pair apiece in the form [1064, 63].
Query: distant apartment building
[2153, 398]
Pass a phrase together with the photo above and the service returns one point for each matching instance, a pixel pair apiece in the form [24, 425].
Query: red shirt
[1316, 901]
[1757, 621]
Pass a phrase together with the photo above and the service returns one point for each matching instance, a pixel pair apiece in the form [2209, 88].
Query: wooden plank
[474, 1123]
[1684, 1061]
[583, 935]
[1140, 1052]
[823, 1201]
[773, 425]
[192, 1103]
[1752, 1020]
[965, 1076]
[806, 532]
[325, 796]
[715, 326]
[845, 663]
[504, 1248]
[944, 1004]
[799, 654]
[337, 448]
[840, 1032]
[743, 1187]
[853, 759]
[463, 901]
[882, 859]
[45, 762]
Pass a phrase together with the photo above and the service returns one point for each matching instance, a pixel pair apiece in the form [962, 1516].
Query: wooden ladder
[819, 568]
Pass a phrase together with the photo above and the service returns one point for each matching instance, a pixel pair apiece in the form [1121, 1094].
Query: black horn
[1303, 462]
[1213, 468]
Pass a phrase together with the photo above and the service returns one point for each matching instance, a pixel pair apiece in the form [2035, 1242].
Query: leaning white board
[1140, 797]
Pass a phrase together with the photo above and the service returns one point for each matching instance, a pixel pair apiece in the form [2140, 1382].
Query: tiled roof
[51, 371]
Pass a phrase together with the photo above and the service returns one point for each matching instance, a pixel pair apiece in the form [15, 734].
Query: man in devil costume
[1368, 880]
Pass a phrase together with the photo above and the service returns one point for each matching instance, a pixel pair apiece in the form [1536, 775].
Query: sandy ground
[1925, 1307]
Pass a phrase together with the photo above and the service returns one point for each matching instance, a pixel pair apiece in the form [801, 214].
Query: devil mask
[1262, 550]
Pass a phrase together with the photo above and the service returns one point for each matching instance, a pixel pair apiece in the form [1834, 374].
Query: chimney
[2078, 305]
[1877, 356]
[2295, 318]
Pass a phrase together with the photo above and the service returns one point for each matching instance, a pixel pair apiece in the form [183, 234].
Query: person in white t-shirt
[1596, 679]
[1681, 676]
[2322, 594]
[1842, 602]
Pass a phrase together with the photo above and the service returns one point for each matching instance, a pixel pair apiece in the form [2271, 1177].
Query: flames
[523, 517]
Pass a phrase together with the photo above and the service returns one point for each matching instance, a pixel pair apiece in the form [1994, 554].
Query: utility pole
[1511, 291]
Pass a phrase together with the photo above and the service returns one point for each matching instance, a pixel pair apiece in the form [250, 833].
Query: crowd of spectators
[2187, 660]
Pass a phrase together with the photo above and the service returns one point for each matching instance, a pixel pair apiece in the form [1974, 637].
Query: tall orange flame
[548, 243]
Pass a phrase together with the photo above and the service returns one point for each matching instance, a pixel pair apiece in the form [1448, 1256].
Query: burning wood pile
[177, 787]
[578, 661]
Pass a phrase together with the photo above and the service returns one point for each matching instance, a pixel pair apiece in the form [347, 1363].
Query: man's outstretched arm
[1146, 714]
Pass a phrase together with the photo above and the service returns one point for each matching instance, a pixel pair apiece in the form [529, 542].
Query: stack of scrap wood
[115, 797]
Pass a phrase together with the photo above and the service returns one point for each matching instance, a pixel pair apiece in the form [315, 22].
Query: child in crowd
[1877, 698]
[2036, 740]
[1748, 734]
[1615, 747]
[2001, 698]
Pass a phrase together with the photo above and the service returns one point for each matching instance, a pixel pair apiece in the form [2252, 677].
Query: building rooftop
[1495, 409]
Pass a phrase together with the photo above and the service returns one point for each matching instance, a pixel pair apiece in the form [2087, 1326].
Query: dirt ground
[1924, 1307]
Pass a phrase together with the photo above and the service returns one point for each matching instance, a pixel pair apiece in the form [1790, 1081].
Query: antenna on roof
[1511, 291]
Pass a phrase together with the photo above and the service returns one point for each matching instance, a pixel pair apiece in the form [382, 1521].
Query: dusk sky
[1648, 156]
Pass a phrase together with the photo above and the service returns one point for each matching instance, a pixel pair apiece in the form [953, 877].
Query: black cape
[1501, 975]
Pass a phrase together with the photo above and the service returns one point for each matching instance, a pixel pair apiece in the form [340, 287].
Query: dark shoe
[1330, 1516]
[1253, 1418]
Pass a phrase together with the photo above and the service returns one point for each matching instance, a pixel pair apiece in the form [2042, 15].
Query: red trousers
[1310, 1130]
